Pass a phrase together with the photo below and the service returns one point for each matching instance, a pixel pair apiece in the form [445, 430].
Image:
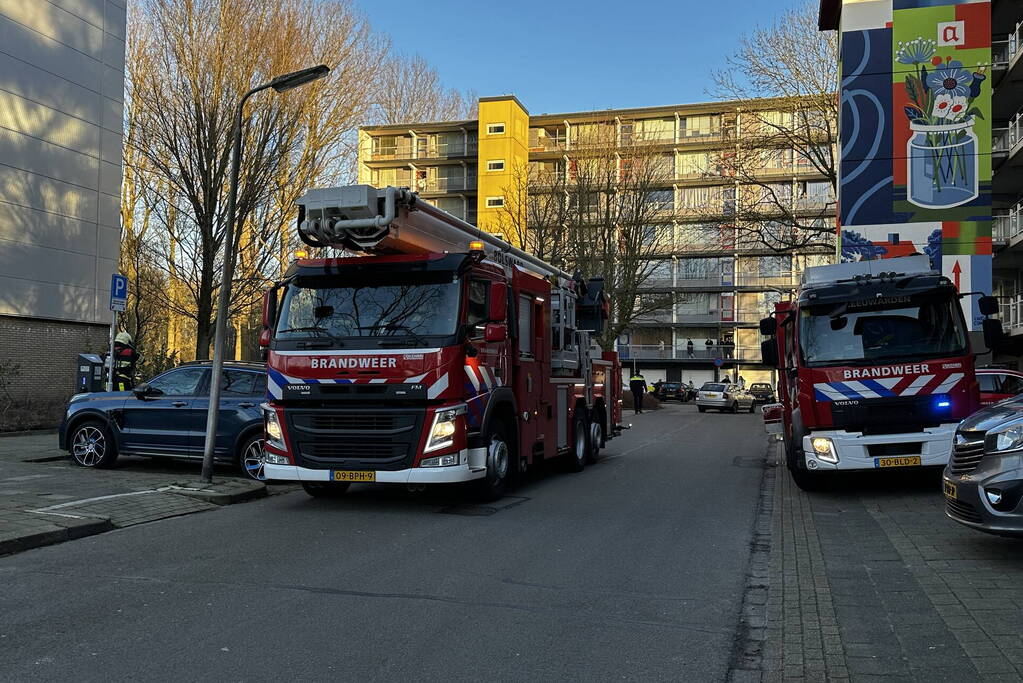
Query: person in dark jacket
[638, 387]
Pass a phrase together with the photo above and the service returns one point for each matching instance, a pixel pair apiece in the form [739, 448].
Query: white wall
[61, 108]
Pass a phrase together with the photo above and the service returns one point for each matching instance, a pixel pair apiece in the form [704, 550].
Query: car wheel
[702, 409]
[326, 489]
[735, 407]
[752, 407]
[252, 458]
[92, 445]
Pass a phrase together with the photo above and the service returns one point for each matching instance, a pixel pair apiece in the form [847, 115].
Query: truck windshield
[316, 307]
[842, 335]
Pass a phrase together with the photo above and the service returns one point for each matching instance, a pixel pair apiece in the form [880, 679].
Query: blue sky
[573, 55]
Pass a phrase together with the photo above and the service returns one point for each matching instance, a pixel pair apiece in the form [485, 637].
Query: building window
[495, 165]
[495, 129]
[495, 202]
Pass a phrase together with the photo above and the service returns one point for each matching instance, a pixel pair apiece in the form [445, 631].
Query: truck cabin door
[486, 321]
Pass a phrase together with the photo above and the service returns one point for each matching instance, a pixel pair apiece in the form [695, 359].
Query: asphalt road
[631, 570]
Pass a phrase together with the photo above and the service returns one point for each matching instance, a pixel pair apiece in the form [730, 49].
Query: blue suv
[167, 417]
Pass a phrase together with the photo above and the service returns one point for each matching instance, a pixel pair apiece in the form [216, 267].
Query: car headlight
[1008, 438]
[274, 433]
[442, 432]
[824, 448]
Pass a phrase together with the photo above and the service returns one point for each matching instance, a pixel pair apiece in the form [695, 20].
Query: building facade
[61, 105]
[931, 128]
[719, 277]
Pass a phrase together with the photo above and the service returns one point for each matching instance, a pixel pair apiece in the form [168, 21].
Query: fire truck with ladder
[875, 367]
[440, 354]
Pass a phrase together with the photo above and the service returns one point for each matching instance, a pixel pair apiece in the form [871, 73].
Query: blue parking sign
[118, 292]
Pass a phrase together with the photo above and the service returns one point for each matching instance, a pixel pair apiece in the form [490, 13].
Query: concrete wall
[61, 107]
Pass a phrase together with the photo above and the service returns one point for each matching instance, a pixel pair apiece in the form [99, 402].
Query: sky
[574, 55]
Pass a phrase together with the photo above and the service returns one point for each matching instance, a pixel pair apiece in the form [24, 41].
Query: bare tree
[535, 212]
[189, 62]
[410, 90]
[784, 79]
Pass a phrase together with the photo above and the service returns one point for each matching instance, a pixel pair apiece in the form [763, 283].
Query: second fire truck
[875, 367]
[441, 354]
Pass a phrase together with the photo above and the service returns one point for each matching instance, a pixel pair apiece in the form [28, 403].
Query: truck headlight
[440, 461]
[824, 448]
[274, 433]
[442, 432]
[1010, 438]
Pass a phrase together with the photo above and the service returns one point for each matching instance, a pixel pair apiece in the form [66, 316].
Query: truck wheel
[575, 460]
[92, 446]
[499, 463]
[596, 438]
[325, 489]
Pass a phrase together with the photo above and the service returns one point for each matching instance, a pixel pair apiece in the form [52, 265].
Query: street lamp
[280, 84]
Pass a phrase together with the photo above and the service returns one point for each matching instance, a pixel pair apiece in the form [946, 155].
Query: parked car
[166, 417]
[762, 392]
[724, 397]
[998, 384]
[672, 391]
[983, 483]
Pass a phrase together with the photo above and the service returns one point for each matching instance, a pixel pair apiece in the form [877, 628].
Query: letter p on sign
[118, 292]
[952, 33]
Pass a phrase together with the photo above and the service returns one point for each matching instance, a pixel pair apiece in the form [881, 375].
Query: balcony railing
[1004, 51]
[455, 184]
[1005, 139]
[437, 150]
[1008, 225]
[700, 352]
[396, 152]
[1011, 313]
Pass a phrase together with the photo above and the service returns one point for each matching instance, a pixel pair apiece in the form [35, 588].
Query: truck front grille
[349, 438]
[966, 455]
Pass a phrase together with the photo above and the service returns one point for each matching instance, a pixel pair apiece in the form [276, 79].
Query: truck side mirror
[264, 338]
[769, 352]
[988, 305]
[269, 307]
[495, 332]
[498, 302]
[768, 326]
[993, 332]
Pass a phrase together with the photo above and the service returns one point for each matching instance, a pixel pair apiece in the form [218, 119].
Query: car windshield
[411, 309]
[670, 385]
[712, 387]
[849, 335]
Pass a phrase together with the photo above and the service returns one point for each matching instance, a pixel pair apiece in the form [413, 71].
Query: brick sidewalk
[870, 581]
[46, 499]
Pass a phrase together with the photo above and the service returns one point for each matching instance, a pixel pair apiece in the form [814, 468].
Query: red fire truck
[874, 366]
[442, 354]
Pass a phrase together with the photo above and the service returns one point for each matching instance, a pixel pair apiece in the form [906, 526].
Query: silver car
[724, 397]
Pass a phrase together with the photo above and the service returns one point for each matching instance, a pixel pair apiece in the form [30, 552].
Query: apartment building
[718, 276]
[61, 105]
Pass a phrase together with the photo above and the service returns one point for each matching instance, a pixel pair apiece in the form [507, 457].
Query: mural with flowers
[942, 153]
[916, 136]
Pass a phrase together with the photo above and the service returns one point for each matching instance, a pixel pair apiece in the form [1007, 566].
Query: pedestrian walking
[710, 348]
[689, 349]
[638, 387]
[742, 381]
[125, 357]
[660, 348]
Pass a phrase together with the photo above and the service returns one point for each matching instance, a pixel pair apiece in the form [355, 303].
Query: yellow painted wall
[511, 147]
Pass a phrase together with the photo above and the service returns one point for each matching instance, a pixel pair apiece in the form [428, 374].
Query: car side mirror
[143, 390]
[495, 332]
[988, 305]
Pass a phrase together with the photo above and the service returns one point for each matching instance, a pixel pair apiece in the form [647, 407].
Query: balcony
[455, 184]
[391, 152]
[700, 352]
[445, 150]
[1006, 139]
[1011, 314]
[1008, 226]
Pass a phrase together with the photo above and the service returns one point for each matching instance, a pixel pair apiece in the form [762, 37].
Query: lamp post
[280, 84]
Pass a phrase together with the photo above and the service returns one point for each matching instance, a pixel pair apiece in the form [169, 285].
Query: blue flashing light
[942, 402]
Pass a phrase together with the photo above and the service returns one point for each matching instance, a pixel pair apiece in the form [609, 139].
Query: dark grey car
[983, 481]
[167, 417]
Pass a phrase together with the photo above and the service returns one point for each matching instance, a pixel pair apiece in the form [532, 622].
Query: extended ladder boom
[363, 218]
